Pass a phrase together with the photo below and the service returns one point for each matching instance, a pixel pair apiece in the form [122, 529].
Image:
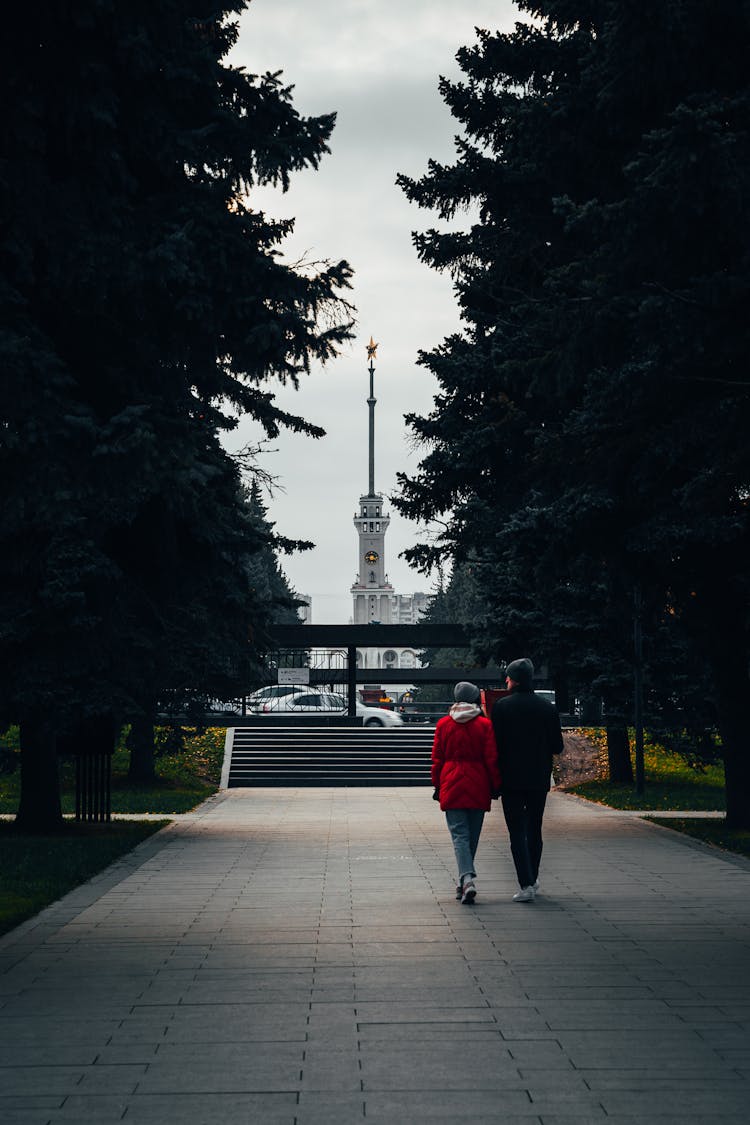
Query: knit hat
[522, 671]
[464, 692]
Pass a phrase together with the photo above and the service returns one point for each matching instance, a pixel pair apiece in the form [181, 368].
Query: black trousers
[524, 811]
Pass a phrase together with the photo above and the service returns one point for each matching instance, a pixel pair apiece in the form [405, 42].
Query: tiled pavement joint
[298, 957]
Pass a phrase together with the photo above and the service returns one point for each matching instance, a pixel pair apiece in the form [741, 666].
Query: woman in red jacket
[465, 775]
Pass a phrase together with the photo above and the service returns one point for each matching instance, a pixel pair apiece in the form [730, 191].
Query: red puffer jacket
[464, 759]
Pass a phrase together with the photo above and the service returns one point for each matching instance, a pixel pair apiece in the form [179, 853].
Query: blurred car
[378, 716]
[310, 702]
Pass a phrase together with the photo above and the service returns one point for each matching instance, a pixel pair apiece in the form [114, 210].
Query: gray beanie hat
[522, 671]
[464, 692]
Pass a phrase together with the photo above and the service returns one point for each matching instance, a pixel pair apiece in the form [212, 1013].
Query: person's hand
[436, 794]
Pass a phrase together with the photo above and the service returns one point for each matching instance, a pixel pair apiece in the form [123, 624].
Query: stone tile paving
[298, 956]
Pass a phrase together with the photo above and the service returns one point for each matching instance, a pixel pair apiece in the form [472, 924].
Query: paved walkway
[297, 956]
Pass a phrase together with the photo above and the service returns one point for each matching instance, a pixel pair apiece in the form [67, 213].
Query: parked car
[271, 691]
[548, 695]
[309, 702]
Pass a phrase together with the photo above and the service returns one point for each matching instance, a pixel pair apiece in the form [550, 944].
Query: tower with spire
[372, 593]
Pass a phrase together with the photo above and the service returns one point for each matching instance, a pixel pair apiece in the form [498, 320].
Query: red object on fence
[490, 697]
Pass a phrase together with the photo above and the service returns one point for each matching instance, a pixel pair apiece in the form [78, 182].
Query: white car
[308, 702]
[300, 699]
[548, 695]
[271, 692]
[378, 716]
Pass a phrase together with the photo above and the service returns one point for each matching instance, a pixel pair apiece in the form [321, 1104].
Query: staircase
[298, 756]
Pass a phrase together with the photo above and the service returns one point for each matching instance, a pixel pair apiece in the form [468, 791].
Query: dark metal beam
[369, 636]
[351, 681]
[378, 676]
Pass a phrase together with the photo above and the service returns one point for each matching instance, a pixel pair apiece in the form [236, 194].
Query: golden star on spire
[372, 349]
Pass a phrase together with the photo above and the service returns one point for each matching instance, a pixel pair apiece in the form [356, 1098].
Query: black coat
[527, 732]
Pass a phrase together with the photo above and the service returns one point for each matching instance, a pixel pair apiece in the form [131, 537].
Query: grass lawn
[670, 783]
[183, 779]
[37, 870]
[710, 831]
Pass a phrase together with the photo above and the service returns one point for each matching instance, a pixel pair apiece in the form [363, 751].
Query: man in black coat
[527, 732]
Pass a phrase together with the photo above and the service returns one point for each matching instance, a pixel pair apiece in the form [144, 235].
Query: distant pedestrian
[527, 732]
[465, 775]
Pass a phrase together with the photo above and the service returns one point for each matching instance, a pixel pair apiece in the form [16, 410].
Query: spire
[372, 351]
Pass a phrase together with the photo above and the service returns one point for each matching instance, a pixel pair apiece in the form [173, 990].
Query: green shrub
[183, 779]
[671, 782]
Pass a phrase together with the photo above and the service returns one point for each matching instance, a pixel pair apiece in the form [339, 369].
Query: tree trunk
[732, 692]
[618, 754]
[726, 643]
[562, 692]
[39, 809]
[734, 738]
[591, 711]
[142, 768]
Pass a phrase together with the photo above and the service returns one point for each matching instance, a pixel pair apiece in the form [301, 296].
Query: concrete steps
[298, 756]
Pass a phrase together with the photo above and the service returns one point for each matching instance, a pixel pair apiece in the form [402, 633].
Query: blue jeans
[465, 826]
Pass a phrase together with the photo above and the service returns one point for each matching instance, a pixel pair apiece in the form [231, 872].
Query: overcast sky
[376, 63]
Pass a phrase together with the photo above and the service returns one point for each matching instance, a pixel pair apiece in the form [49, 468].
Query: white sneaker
[535, 888]
[526, 894]
[470, 892]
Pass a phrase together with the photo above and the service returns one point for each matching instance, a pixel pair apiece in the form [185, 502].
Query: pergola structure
[348, 638]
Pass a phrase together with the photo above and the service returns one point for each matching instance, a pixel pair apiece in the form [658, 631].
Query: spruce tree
[265, 573]
[591, 418]
[144, 308]
[454, 602]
